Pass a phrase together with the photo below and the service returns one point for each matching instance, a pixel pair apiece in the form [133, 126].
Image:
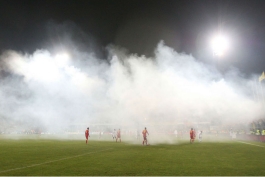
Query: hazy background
[57, 90]
[65, 66]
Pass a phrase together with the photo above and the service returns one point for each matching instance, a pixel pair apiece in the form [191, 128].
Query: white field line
[251, 144]
[29, 166]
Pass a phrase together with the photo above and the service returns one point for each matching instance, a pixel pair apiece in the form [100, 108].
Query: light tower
[219, 45]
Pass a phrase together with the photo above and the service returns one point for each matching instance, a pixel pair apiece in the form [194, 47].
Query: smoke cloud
[54, 92]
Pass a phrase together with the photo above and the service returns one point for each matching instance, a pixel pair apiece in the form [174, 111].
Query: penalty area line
[34, 165]
[251, 144]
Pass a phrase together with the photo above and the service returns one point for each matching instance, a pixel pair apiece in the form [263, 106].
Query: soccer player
[137, 134]
[191, 135]
[114, 133]
[145, 132]
[200, 136]
[87, 134]
[176, 133]
[118, 135]
[194, 134]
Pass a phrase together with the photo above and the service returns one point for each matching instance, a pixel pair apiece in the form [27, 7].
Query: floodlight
[219, 45]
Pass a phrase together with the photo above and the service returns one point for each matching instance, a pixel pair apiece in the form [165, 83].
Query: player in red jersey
[194, 135]
[118, 135]
[87, 134]
[191, 135]
[145, 132]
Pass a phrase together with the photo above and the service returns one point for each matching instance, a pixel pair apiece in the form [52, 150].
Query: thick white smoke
[55, 92]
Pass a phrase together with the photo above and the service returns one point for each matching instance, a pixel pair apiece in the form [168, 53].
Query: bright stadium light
[42, 68]
[62, 60]
[220, 45]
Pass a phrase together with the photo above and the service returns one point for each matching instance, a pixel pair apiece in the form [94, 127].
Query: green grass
[47, 157]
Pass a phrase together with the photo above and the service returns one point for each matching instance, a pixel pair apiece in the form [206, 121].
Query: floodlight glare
[62, 59]
[43, 69]
[219, 45]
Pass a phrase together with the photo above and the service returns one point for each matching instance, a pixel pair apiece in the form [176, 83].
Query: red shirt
[87, 132]
[191, 133]
[118, 133]
[145, 132]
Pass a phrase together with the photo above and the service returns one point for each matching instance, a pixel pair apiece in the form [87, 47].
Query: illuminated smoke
[53, 92]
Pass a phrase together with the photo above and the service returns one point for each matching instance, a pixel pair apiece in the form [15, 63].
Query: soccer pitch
[50, 157]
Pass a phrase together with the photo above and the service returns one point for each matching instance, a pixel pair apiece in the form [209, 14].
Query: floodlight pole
[255, 91]
[262, 95]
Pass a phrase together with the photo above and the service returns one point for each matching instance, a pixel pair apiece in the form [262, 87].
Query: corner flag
[262, 76]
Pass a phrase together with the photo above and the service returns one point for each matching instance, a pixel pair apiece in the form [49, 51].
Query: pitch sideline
[251, 144]
[29, 166]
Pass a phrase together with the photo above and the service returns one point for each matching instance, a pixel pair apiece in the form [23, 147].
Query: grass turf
[47, 157]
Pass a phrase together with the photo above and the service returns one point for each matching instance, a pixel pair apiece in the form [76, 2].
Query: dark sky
[138, 25]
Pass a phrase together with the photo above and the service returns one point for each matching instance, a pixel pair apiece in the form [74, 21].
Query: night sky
[186, 26]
